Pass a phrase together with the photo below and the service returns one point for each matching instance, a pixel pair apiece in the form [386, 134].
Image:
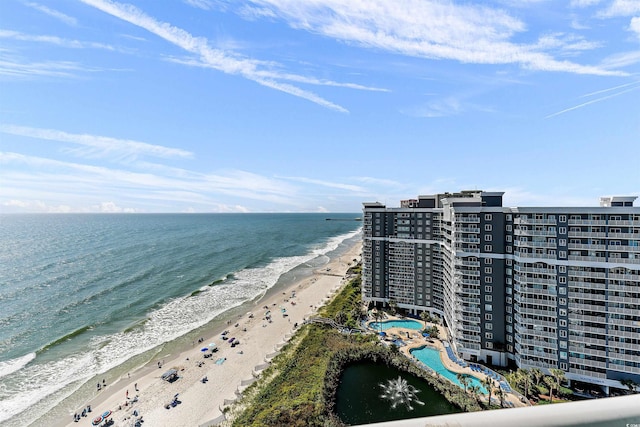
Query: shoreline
[201, 402]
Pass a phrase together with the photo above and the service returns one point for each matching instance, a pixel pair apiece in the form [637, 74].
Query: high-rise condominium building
[545, 287]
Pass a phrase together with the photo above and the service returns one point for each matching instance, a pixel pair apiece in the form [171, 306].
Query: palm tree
[488, 384]
[377, 316]
[464, 380]
[629, 383]
[525, 376]
[551, 382]
[393, 306]
[475, 390]
[558, 375]
[426, 317]
[500, 393]
[537, 375]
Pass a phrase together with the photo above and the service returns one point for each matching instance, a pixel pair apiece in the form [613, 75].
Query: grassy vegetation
[299, 388]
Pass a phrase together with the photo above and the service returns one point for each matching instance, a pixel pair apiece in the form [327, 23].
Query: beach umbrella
[97, 420]
[204, 349]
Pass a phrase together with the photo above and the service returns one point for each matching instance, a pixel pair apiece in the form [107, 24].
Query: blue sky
[314, 105]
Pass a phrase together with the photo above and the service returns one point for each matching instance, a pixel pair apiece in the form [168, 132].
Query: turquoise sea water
[431, 357]
[81, 295]
[408, 324]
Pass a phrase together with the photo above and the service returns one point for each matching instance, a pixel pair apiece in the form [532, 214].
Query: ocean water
[83, 296]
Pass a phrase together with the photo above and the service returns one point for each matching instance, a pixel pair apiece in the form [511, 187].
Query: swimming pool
[407, 324]
[431, 357]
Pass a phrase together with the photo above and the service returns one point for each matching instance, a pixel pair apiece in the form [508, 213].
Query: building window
[563, 218]
[488, 217]
[562, 279]
[562, 230]
[489, 307]
[488, 279]
[488, 316]
[488, 335]
[509, 238]
[488, 289]
[509, 228]
[488, 261]
[562, 268]
[488, 248]
[488, 298]
[562, 254]
[509, 262]
[563, 355]
[488, 345]
[509, 217]
[488, 237]
[488, 270]
[562, 242]
[563, 323]
[562, 301]
[562, 291]
[562, 312]
[488, 227]
[564, 366]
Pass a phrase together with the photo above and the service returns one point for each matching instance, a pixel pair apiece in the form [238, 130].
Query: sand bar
[201, 402]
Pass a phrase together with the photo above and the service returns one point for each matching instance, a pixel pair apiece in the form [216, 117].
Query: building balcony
[573, 283]
[541, 233]
[530, 244]
[630, 277]
[587, 234]
[588, 362]
[586, 247]
[467, 219]
[591, 274]
[532, 221]
[624, 223]
[586, 222]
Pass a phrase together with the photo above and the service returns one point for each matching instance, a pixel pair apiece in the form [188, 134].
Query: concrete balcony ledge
[612, 411]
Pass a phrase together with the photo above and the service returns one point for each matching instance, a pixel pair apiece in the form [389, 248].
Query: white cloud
[17, 68]
[200, 4]
[634, 26]
[621, 8]
[98, 146]
[111, 207]
[341, 186]
[427, 29]
[15, 205]
[623, 59]
[214, 58]
[74, 44]
[584, 3]
[53, 13]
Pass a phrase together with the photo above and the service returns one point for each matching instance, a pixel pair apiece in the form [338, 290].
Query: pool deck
[414, 339]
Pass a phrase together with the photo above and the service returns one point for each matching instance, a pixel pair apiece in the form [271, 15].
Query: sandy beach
[145, 392]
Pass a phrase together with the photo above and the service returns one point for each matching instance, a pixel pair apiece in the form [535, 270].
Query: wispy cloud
[341, 186]
[255, 70]
[426, 29]
[74, 44]
[38, 176]
[621, 8]
[69, 20]
[634, 26]
[631, 87]
[11, 66]
[622, 59]
[200, 4]
[98, 146]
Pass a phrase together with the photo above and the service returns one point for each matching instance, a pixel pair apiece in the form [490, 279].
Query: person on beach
[135, 386]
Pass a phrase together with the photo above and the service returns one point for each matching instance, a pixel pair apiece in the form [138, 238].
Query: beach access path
[201, 402]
